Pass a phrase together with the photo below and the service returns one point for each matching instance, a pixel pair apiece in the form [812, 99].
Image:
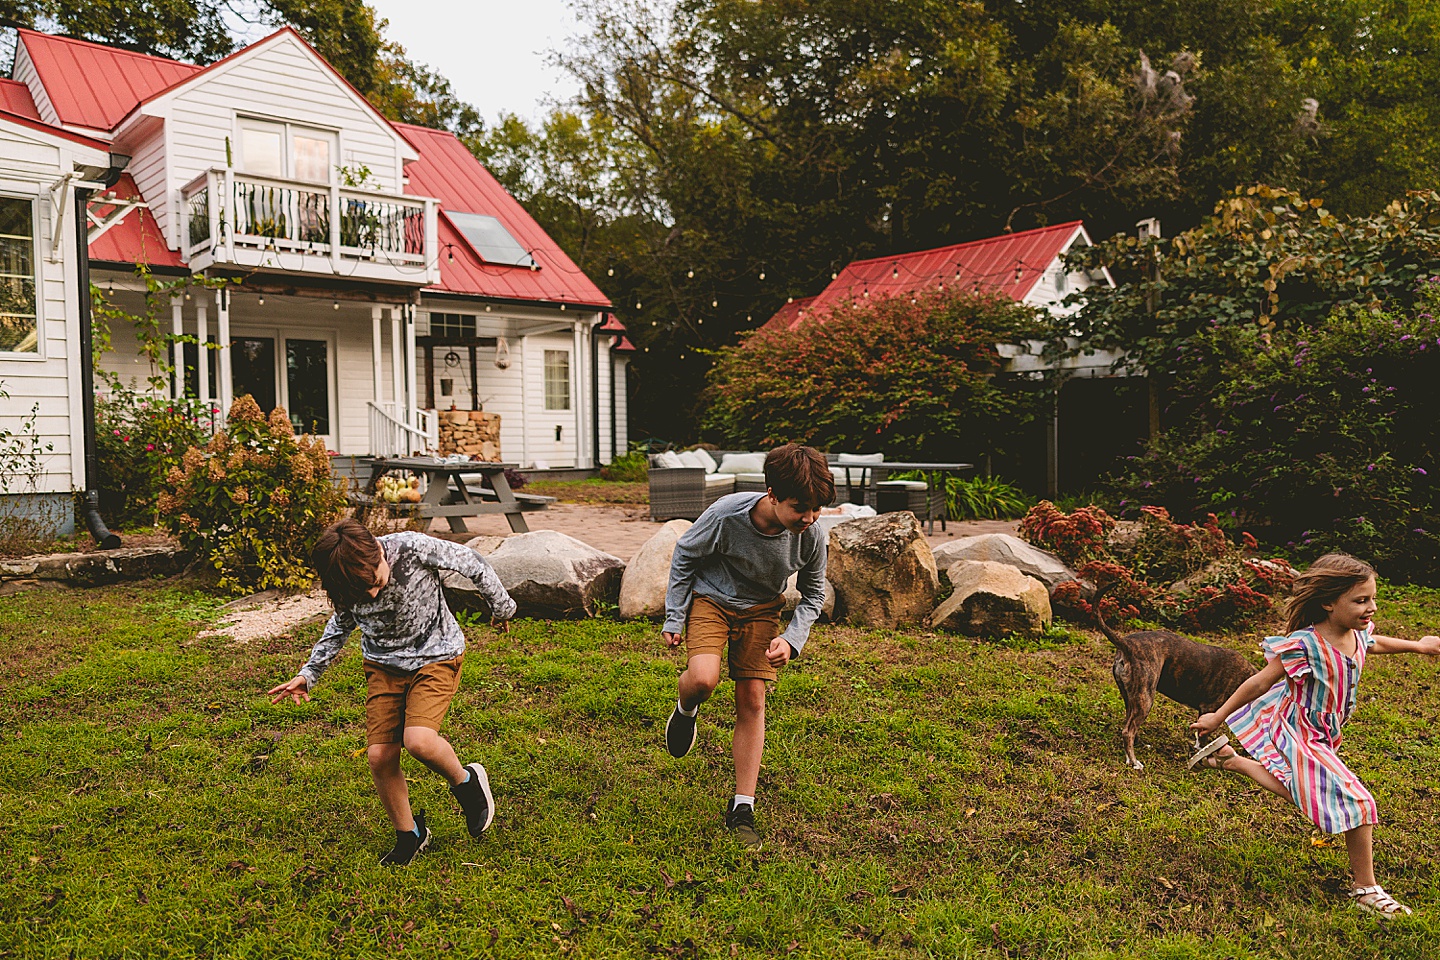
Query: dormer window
[286, 151]
[489, 238]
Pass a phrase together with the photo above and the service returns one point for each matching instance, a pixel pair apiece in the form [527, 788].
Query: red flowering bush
[913, 377]
[253, 501]
[1187, 575]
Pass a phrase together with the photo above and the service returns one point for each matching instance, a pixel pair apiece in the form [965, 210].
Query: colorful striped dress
[1294, 728]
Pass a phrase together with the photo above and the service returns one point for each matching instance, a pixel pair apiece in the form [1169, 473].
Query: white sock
[741, 800]
[689, 713]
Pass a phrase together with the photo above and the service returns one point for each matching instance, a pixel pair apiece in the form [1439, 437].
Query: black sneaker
[476, 800]
[680, 732]
[407, 844]
[741, 822]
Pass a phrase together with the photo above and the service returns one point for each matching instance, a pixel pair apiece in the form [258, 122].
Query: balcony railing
[297, 227]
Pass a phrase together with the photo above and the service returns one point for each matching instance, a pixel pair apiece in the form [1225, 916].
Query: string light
[895, 272]
[262, 300]
[334, 304]
[187, 294]
[834, 275]
[1019, 272]
[610, 272]
[449, 253]
[110, 288]
[714, 303]
[762, 274]
[562, 306]
[690, 274]
[637, 304]
[487, 308]
[789, 299]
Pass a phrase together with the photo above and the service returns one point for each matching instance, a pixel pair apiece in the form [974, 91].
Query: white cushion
[860, 458]
[706, 461]
[749, 478]
[691, 459]
[742, 463]
[723, 480]
[903, 485]
[668, 459]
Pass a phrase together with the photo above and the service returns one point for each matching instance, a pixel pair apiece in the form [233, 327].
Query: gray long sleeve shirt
[409, 624]
[725, 559]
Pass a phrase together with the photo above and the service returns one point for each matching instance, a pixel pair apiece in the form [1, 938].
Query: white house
[381, 272]
[42, 168]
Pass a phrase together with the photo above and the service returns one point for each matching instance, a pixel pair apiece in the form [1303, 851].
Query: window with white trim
[19, 323]
[271, 148]
[452, 325]
[557, 379]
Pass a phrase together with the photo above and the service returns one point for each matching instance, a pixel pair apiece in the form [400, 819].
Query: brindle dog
[1196, 674]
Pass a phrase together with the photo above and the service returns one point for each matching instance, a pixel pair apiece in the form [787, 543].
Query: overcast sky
[494, 53]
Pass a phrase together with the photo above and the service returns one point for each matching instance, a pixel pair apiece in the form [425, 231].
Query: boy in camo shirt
[390, 588]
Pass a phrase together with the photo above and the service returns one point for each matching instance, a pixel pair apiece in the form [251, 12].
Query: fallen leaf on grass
[1166, 883]
[1321, 842]
[970, 811]
[669, 884]
[356, 752]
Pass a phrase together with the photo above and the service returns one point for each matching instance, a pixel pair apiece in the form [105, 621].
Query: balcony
[230, 219]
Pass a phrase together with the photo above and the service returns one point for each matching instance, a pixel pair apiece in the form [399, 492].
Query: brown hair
[1328, 579]
[801, 473]
[346, 556]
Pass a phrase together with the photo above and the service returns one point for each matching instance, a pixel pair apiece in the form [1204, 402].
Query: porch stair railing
[392, 437]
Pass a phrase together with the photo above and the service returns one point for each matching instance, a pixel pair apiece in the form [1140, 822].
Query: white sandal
[1219, 743]
[1379, 903]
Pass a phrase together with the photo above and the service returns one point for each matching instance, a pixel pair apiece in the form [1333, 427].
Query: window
[19, 325]
[557, 379]
[490, 239]
[452, 325]
[272, 149]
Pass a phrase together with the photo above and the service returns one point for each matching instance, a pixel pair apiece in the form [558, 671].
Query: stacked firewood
[472, 432]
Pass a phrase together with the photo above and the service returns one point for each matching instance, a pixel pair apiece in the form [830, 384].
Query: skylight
[490, 239]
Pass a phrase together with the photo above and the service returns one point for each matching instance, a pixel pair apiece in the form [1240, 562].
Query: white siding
[541, 445]
[282, 82]
[147, 168]
[24, 72]
[42, 380]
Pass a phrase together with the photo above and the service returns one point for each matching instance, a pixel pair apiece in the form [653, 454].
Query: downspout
[610, 377]
[90, 506]
[595, 392]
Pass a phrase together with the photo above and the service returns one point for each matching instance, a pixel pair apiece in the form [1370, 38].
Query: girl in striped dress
[1288, 716]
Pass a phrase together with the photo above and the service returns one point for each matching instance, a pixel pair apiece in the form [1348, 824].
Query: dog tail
[1114, 637]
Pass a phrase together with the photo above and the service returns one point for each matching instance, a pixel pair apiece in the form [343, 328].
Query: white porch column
[377, 349]
[412, 401]
[397, 381]
[177, 327]
[225, 389]
[577, 391]
[525, 399]
[202, 354]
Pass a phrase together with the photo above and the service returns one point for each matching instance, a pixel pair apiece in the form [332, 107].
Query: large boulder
[546, 573]
[883, 571]
[647, 576]
[792, 598]
[992, 599]
[1011, 551]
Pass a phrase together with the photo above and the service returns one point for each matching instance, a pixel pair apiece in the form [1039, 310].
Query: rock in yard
[642, 588]
[792, 598]
[883, 571]
[484, 545]
[546, 573]
[1011, 551]
[991, 600]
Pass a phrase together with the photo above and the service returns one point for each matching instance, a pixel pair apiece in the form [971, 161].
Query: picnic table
[446, 494]
[933, 472]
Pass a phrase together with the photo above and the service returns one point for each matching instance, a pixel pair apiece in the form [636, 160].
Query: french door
[296, 373]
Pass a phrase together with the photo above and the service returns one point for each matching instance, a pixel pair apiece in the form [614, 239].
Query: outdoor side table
[446, 494]
[934, 474]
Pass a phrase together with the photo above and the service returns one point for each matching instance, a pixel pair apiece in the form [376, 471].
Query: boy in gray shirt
[727, 577]
[390, 588]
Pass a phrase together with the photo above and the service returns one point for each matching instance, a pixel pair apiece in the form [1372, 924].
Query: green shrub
[1314, 440]
[913, 377]
[633, 467]
[254, 500]
[139, 439]
[978, 498]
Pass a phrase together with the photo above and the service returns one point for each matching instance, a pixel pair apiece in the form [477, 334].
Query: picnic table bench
[448, 495]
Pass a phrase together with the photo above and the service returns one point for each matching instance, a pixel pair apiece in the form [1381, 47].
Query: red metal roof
[15, 98]
[135, 240]
[788, 316]
[1010, 264]
[623, 345]
[449, 172]
[95, 86]
[45, 128]
[612, 324]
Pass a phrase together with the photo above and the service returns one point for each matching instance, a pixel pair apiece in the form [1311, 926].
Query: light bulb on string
[487, 308]
[450, 254]
[610, 272]
[637, 304]
[895, 272]
[562, 306]
[261, 301]
[1019, 272]
[714, 303]
[689, 274]
[334, 304]
[762, 274]
[834, 275]
[110, 289]
[187, 294]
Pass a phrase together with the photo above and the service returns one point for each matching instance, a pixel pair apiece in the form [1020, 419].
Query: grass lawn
[593, 490]
[922, 795]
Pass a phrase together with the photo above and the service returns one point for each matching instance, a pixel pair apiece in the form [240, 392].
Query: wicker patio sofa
[683, 485]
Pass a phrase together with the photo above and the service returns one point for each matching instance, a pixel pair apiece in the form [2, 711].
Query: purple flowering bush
[1314, 438]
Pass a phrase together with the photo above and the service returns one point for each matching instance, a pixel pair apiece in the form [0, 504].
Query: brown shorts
[747, 633]
[395, 699]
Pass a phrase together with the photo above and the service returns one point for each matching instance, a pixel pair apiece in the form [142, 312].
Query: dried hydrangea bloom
[192, 459]
[215, 470]
[246, 410]
[280, 422]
